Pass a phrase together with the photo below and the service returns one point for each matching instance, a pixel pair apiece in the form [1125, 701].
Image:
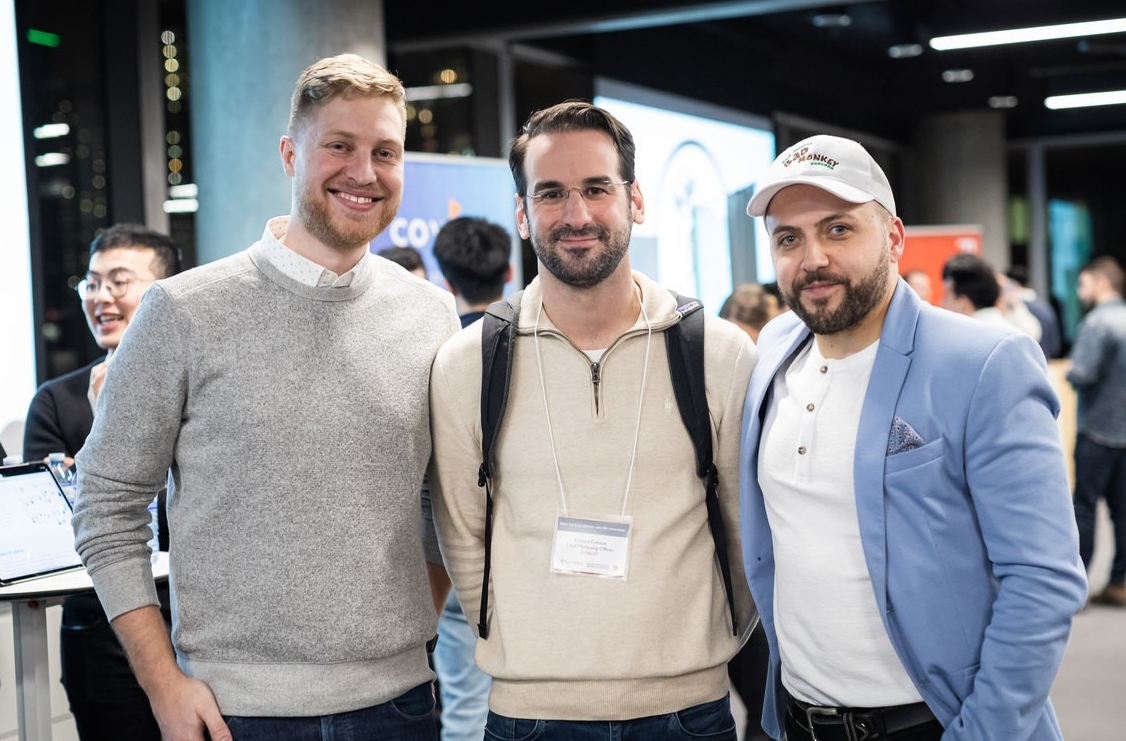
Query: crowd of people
[864, 526]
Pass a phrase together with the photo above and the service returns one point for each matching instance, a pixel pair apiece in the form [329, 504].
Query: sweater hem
[307, 689]
[606, 699]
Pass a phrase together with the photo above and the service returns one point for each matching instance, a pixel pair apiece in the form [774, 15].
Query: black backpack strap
[498, 334]
[685, 343]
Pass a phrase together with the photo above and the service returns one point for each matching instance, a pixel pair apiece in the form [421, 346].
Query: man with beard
[299, 582]
[905, 500]
[1097, 370]
[607, 612]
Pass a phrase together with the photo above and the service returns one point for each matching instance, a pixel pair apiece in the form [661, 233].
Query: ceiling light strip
[1023, 35]
[1086, 100]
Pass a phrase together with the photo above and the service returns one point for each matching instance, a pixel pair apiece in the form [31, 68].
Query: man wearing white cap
[905, 500]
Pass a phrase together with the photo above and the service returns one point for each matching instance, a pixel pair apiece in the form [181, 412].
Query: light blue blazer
[968, 533]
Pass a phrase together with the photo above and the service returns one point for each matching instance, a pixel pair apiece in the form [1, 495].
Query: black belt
[856, 724]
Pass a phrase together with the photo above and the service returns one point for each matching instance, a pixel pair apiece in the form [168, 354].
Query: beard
[588, 269]
[858, 301]
[347, 231]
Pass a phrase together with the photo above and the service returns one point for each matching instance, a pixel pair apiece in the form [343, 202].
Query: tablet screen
[36, 538]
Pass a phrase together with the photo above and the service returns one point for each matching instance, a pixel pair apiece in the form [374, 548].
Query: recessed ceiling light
[1022, 35]
[905, 51]
[1003, 101]
[958, 75]
[832, 20]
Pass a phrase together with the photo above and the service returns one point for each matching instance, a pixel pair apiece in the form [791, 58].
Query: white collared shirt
[300, 268]
[834, 648]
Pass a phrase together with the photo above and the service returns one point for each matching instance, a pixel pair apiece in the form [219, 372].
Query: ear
[638, 202]
[897, 237]
[522, 218]
[288, 153]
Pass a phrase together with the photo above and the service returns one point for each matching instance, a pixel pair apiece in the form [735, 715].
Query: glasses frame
[611, 187]
[118, 285]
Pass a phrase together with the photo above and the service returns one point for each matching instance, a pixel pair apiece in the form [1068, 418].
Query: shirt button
[824, 369]
[801, 450]
[809, 407]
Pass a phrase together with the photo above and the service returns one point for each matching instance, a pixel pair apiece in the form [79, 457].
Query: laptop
[36, 538]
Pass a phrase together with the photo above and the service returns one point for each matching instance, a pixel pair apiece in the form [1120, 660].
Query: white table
[30, 600]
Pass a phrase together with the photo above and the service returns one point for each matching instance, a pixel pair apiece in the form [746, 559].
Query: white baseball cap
[839, 166]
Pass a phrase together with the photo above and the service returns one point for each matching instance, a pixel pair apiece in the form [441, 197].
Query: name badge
[589, 547]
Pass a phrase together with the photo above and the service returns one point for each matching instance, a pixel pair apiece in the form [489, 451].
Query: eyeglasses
[118, 284]
[592, 193]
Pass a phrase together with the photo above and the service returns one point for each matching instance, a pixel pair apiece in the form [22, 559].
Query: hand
[184, 708]
[97, 378]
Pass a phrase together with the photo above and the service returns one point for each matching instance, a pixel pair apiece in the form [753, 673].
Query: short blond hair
[342, 76]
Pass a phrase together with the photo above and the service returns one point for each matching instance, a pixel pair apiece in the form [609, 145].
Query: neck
[592, 318]
[464, 307]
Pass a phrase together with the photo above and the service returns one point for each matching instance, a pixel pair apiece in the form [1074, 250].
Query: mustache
[591, 230]
[820, 276]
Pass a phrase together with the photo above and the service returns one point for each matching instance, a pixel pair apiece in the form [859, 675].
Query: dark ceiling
[770, 57]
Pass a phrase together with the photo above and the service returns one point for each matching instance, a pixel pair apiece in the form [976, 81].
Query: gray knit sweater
[295, 423]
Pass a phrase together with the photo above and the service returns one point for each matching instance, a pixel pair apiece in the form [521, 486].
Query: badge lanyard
[593, 546]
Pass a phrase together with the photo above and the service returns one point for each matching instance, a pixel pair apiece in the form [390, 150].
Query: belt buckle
[812, 710]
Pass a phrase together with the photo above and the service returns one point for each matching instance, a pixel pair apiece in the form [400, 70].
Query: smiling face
[834, 259]
[107, 316]
[579, 242]
[346, 161]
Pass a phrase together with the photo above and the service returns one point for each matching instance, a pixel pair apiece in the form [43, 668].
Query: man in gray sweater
[285, 389]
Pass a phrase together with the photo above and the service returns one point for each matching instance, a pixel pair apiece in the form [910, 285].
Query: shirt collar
[300, 268]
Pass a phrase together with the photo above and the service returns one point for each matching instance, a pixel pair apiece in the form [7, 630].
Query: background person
[408, 257]
[592, 433]
[920, 280]
[105, 699]
[1051, 333]
[971, 286]
[473, 254]
[1098, 373]
[285, 387]
[904, 493]
[750, 307]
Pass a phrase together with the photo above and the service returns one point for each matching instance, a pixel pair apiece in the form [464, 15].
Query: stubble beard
[858, 301]
[345, 233]
[587, 270]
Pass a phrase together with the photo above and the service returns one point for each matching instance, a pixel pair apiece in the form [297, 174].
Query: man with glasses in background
[125, 259]
[607, 611]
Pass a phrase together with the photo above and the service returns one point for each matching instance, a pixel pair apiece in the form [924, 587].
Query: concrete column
[962, 178]
[243, 59]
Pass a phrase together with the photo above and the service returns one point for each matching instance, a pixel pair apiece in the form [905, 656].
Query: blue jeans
[409, 717]
[1100, 472]
[463, 687]
[711, 721]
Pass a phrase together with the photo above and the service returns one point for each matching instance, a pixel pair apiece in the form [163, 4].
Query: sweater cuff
[125, 586]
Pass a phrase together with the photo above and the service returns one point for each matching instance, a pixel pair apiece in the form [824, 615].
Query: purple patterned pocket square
[903, 437]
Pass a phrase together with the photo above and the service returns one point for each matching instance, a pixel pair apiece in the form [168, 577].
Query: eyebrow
[838, 216]
[112, 271]
[387, 141]
[595, 180]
